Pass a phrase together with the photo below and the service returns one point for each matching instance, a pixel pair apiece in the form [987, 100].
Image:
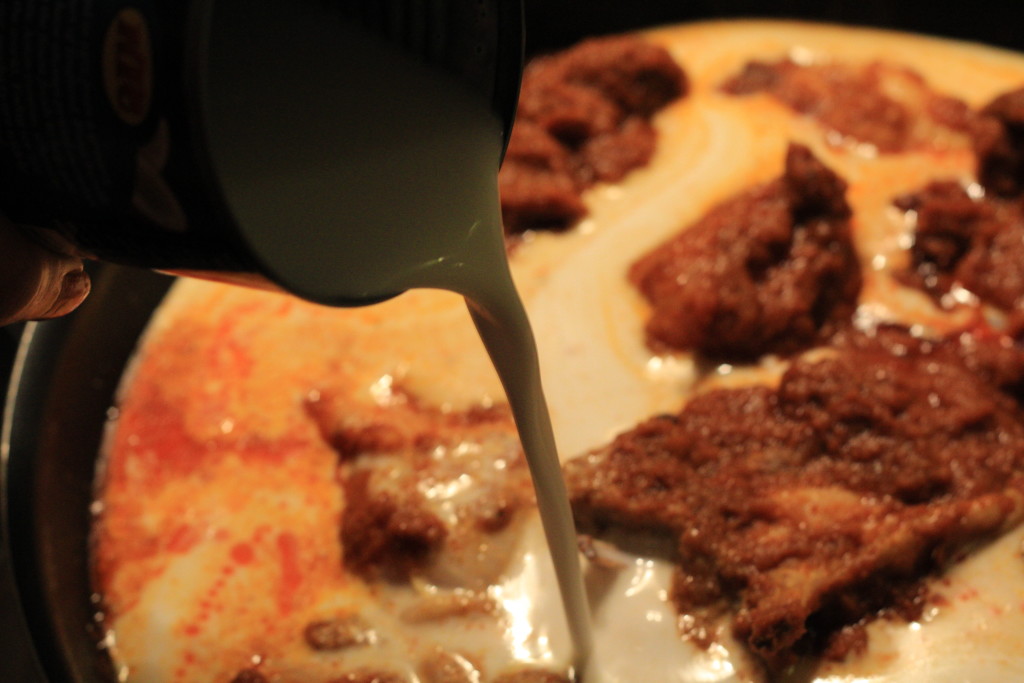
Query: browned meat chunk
[538, 190]
[354, 430]
[584, 117]
[608, 158]
[338, 633]
[884, 105]
[385, 532]
[805, 510]
[770, 270]
[999, 144]
[637, 76]
[569, 112]
[977, 244]
[447, 667]
[391, 528]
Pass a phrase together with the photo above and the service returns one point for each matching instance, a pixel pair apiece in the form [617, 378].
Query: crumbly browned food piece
[537, 188]
[808, 508]
[999, 144]
[387, 532]
[885, 105]
[976, 243]
[993, 358]
[772, 270]
[584, 117]
[448, 667]
[638, 77]
[404, 422]
[439, 606]
[390, 527]
[337, 633]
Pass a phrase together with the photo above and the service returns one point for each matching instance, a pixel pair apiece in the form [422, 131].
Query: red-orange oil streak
[291, 572]
[152, 447]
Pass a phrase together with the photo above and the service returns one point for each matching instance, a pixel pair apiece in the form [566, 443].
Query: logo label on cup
[128, 66]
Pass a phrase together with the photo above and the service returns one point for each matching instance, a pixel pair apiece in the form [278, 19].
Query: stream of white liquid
[480, 272]
[483, 277]
[505, 330]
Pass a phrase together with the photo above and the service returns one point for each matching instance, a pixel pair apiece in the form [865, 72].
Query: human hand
[37, 282]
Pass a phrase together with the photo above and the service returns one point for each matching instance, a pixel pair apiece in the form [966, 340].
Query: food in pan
[773, 272]
[584, 117]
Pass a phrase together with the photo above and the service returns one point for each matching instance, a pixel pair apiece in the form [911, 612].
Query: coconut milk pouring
[285, 143]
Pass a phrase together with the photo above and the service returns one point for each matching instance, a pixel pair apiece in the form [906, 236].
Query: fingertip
[75, 286]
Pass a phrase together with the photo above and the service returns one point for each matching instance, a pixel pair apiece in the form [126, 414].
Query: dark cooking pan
[64, 380]
[63, 384]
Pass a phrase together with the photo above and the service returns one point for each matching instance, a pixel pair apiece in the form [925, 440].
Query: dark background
[552, 23]
[555, 23]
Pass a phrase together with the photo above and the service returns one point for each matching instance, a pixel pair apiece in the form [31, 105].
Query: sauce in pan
[296, 493]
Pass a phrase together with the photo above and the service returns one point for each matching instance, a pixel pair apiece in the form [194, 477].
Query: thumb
[36, 283]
